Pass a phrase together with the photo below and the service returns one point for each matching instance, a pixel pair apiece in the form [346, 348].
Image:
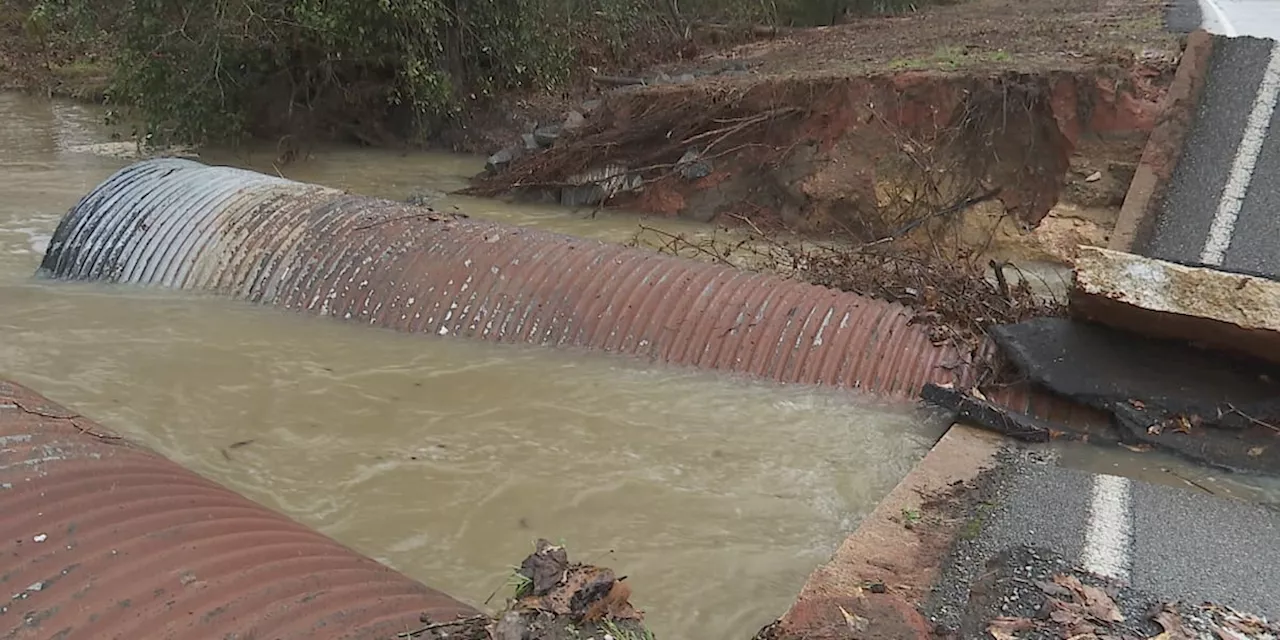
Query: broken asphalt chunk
[1206, 406]
[973, 409]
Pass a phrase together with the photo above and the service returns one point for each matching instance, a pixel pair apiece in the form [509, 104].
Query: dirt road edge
[1164, 145]
[886, 568]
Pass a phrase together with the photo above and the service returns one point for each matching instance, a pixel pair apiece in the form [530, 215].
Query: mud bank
[852, 153]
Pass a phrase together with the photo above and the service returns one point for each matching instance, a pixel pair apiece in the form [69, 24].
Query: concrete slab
[1229, 311]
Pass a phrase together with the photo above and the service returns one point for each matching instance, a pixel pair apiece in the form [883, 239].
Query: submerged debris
[555, 599]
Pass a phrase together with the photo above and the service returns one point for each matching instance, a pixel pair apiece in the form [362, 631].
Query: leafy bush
[375, 70]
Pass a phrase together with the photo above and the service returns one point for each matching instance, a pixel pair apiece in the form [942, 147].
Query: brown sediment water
[447, 458]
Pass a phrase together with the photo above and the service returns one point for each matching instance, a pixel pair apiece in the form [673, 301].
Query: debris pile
[918, 259]
[555, 599]
[1073, 609]
[1078, 610]
[1157, 381]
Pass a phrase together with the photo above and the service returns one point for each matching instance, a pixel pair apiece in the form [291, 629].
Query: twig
[1001, 281]
[742, 124]
[432, 216]
[955, 207]
[1188, 481]
[1232, 408]
[617, 81]
[69, 418]
[749, 222]
[441, 625]
[673, 239]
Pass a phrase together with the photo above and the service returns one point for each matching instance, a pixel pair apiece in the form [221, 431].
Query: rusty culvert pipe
[179, 223]
[101, 539]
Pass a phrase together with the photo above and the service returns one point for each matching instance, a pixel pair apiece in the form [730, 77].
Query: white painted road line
[1110, 531]
[1217, 22]
[1241, 173]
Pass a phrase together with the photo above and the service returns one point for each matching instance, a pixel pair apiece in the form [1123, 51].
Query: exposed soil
[861, 129]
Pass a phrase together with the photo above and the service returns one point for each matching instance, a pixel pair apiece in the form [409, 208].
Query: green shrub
[217, 70]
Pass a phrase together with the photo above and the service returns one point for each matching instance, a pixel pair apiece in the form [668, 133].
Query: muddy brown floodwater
[447, 458]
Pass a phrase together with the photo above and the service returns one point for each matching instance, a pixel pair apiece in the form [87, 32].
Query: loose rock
[573, 120]
[691, 166]
[501, 159]
[547, 135]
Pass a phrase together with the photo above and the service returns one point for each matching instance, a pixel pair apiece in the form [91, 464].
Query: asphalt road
[1166, 543]
[1258, 18]
[1222, 208]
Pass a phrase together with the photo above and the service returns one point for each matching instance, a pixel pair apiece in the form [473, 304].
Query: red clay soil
[986, 95]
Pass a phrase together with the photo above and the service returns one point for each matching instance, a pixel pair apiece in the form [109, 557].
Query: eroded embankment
[865, 156]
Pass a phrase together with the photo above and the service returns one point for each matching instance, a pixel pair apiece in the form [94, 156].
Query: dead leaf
[1256, 451]
[1171, 622]
[1155, 429]
[1094, 177]
[1182, 424]
[1138, 404]
[1245, 624]
[1101, 606]
[1229, 634]
[1137, 448]
[855, 622]
[1067, 614]
[1006, 628]
[1053, 589]
[1097, 604]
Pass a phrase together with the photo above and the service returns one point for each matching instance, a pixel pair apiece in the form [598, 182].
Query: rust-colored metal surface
[179, 223]
[102, 539]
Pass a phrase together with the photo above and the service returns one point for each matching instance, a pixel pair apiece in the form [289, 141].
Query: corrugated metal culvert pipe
[179, 223]
[101, 539]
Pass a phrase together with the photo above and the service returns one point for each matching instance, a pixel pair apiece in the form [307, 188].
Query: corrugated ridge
[103, 539]
[319, 250]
